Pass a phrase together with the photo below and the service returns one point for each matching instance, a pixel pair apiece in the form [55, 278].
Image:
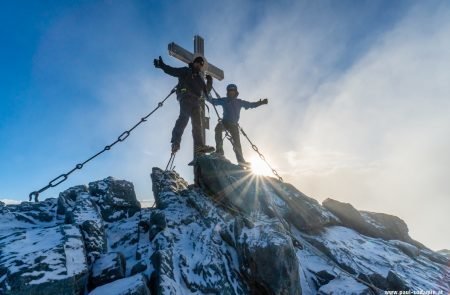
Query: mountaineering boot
[203, 149]
[219, 152]
[175, 147]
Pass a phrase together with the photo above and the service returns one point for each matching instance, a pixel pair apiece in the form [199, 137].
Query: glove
[158, 62]
[264, 101]
[208, 78]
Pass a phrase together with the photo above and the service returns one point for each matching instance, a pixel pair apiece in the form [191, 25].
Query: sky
[358, 96]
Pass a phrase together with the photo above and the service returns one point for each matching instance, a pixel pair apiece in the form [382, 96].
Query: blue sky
[358, 98]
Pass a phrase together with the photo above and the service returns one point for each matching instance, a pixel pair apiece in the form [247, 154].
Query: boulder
[157, 223]
[116, 198]
[134, 285]
[28, 215]
[377, 225]
[85, 213]
[371, 259]
[139, 267]
[50, 261]
[410, 250]
[107, 268]
[344, 285]
[230, 185]
[267, 258]
[67, 198]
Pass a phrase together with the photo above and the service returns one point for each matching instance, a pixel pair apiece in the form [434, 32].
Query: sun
[259, 167]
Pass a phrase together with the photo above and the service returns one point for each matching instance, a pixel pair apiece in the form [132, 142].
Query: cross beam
[199, 50]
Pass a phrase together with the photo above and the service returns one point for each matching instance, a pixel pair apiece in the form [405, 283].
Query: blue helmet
[231, 87]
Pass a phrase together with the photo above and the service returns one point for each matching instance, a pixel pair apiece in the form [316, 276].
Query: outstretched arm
[214, 101]
[250, 105]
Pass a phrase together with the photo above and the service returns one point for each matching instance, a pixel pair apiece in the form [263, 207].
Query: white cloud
[9, 201]
[368, 127]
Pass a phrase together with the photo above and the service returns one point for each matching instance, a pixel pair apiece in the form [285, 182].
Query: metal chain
[170, 165]
[254, 147]
[63, 177]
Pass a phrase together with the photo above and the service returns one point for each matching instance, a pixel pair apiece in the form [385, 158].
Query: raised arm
[175, 72]
[250, 105]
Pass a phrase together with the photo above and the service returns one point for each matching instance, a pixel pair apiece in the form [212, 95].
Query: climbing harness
[63, 177]
[254, 147]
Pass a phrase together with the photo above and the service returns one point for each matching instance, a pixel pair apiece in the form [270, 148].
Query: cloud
[357, 111]
[10, 202]
[373, 132]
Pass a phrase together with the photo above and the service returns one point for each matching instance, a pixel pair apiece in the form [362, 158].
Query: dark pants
[234, 132]
[189, 108]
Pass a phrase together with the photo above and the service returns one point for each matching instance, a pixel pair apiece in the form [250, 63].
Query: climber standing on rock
[189, 91]
[231, 106]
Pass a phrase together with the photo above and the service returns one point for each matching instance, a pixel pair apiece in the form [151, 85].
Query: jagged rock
[349, 250]
[378, 225]
[2, 204]
[240, 240]
[157, 223]
[43, 261]
[238, 188]
[190, 256]
[444, 252]
[116, 198]
[107, 268]
[410, 250]
[324, 277]
[86, 214]
[395, 282]
[139, 267]
[267, 258]
[135, 285]
[302, 211]
[344, 286]
[67, 199]
[28, 215]
[435, 257]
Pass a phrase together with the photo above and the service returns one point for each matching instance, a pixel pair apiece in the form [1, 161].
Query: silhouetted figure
[189, 90]
[231, 106]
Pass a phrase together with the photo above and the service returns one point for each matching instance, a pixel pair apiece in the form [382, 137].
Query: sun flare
[259, 167]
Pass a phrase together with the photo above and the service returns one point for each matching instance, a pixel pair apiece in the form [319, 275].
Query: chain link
[63, 177]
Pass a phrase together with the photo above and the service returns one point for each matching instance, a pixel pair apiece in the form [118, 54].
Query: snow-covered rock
[233, 233]
[116, 198]
[378, 225]
[249, 193]
[107, 268]
[135, 285]
[43, 261]
[189, 253]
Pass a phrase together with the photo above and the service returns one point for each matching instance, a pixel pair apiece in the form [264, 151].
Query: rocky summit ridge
[232, 233]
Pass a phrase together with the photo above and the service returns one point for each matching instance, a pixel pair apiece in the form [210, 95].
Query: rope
[63, 177]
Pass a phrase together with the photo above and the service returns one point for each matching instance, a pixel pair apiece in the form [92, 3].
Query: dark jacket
[232, 107]
[190, 82]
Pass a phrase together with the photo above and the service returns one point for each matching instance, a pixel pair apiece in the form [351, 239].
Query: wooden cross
[187, 57]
